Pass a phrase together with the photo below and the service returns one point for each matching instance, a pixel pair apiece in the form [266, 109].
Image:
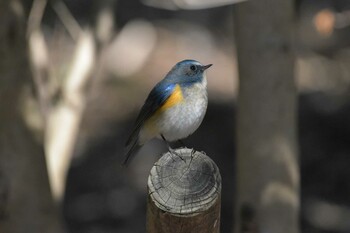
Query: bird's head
[187, 72]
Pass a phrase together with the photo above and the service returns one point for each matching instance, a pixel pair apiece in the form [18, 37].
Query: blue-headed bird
[174, 108]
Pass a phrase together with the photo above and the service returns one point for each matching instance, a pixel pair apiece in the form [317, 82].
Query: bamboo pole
[184, 194]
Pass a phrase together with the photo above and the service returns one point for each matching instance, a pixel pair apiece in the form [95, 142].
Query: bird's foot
[192, 152]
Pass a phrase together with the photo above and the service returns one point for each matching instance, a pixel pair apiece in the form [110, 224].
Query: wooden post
[184, 194]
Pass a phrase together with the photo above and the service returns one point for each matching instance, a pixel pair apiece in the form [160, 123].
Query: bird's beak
[206, 67]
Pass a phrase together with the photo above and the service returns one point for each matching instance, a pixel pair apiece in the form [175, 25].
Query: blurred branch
[25, 198]
[35, 15]
[67, 19]
[39, 64]
[64, 122]
[61, 121]
[104, 25]
[39, 58]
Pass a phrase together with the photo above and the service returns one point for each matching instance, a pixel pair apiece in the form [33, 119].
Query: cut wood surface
[184, 193]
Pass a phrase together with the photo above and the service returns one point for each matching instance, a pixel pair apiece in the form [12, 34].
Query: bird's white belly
[184, 118]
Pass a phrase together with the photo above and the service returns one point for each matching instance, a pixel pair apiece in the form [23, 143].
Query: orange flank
[150, 124]
[175, 98]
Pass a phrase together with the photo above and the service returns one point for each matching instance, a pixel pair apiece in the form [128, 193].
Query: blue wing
[156, 98]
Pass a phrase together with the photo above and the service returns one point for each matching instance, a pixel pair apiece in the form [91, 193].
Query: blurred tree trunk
[267, 160]
[26, 204]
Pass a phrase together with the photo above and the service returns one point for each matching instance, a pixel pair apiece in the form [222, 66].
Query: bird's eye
[193, 67]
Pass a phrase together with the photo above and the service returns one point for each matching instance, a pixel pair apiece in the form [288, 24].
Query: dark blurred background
[112, 52]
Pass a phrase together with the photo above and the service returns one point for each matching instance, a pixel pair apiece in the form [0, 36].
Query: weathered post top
[184, 193]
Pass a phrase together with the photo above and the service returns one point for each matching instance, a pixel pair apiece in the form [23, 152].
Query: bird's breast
[183, 117]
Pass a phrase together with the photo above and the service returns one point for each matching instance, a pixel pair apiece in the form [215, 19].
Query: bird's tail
[132, 149]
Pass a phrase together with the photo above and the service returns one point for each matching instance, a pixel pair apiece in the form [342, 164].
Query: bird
[174, 108]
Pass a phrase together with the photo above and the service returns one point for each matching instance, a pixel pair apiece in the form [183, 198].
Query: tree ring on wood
[184, 182]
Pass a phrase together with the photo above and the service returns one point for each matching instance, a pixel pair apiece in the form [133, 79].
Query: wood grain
[184, 193]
